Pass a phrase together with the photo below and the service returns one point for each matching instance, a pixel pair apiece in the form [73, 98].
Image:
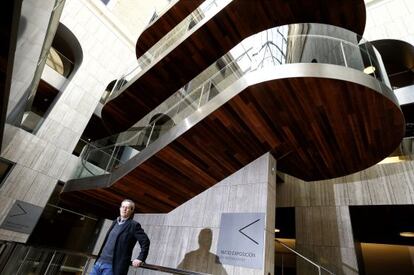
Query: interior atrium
[254, 136]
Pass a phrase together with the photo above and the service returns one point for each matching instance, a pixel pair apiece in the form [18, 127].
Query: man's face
[126, 210]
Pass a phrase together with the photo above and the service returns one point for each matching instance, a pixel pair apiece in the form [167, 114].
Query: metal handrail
[210, 79]
[319, 267]
[170, 270]
[84, 158]
[183, 99]
[70, 211]
[158, 48]
[91, 257]
[207, 83]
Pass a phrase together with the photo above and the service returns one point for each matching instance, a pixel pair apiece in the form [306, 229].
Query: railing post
[50, 263]
[370, 61]
[343, 54]
[201, 96]
[86, 267]
[110, 159]
[303, 257]
[149, 137]
[24, 259]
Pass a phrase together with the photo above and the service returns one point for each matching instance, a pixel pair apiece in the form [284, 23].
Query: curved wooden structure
[329, 122]
[398, 58]
[316, 127]
[164, 24]
[238, 20]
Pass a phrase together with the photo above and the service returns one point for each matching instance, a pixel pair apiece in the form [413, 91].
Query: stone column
[324, 235]
[187, 237]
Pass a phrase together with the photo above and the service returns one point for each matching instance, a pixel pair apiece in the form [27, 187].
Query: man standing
[114, 257]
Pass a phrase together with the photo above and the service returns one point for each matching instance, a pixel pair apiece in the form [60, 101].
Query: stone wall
[187, 236]
[46, 157]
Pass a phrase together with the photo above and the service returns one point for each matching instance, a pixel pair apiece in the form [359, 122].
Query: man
[114, 257]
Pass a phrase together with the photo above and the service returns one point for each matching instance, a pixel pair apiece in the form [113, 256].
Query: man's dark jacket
[131, 232]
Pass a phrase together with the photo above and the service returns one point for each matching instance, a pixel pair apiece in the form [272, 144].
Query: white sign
[241, 239]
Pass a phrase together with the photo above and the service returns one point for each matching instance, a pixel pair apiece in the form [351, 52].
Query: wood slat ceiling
[238, 20]
[317, 128]
[164, 24]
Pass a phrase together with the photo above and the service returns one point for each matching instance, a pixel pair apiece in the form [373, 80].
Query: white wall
[31, 35]
[390, 19]
[135, 14]
[44, 158]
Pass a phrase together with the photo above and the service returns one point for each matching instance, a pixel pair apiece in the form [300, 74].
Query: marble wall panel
[187, 236]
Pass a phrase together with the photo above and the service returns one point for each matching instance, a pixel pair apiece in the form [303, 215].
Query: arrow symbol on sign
[247, 236]
[21, 213]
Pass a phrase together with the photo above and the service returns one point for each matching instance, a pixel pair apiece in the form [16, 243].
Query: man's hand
[136, 263]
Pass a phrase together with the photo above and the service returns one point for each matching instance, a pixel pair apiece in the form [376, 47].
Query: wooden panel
[164, 24]
[238, 20]
[316, 128]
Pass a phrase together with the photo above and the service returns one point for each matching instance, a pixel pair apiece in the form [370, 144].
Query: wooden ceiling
[317, 128]
[164, 24]
[238, 20]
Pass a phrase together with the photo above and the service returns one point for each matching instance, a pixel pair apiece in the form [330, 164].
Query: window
[5, 169]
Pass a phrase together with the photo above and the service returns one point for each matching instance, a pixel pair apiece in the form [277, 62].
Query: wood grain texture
[164, 24]
[238, 20]
[316, 128]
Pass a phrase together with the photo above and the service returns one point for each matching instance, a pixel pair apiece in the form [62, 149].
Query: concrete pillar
[324, 235]
[187, 236]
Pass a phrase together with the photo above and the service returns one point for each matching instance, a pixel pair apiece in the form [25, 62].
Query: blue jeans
[101, 268]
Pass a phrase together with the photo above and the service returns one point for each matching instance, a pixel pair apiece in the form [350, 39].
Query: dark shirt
[108, 250]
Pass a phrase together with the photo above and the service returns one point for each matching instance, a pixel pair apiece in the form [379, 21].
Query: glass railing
[201, 15]
[263, 51]
[98, 160]
[163, 10]
[33, 260]
[292, 260]
[23, 259]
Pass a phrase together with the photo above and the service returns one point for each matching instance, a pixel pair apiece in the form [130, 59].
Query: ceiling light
[407, 234]
[391, 160]
[369, 70]
[277, 230]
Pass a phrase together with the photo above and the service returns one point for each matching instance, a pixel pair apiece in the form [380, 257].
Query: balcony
[205, 36]
[298, 91]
